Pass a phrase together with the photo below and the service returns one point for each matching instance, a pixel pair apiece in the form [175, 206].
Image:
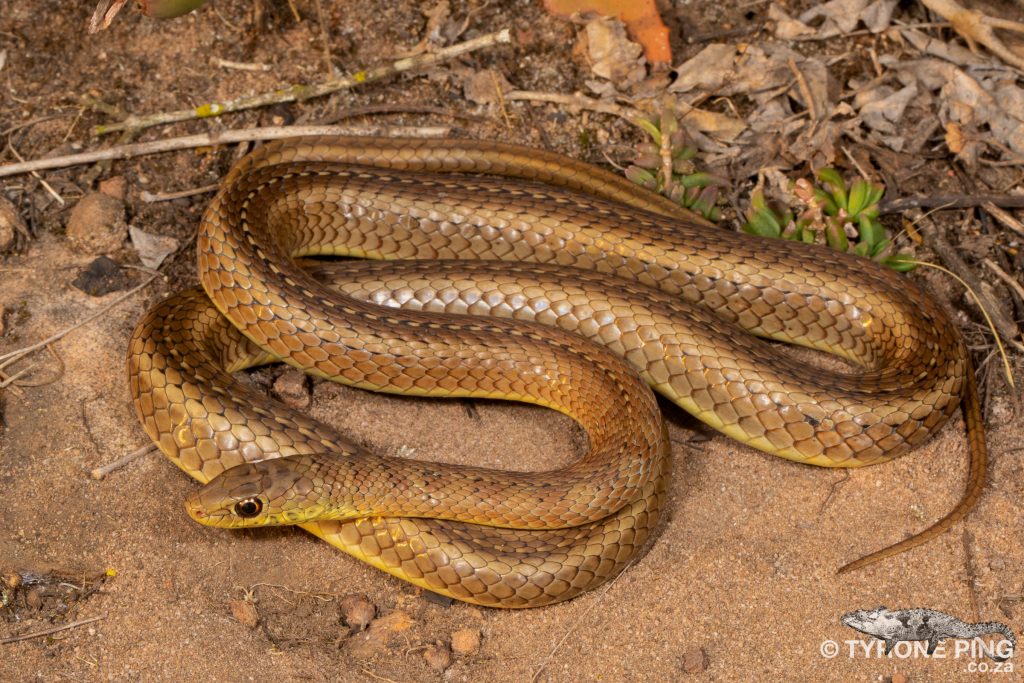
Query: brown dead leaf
[716, 125]
[152, 249]
[954, 138]
[485, 87]
[936, 47]
[833, 18]
[640, 17]
[786, 27]
[838, 16]
[612, 55]
[881, 108]
[760, 71]
[707, 71]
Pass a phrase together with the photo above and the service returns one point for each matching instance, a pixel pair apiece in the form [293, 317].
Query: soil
[739, 583]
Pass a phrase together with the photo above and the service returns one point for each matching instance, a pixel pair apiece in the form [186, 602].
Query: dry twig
[978, 27]
[951, 201]
[104, 470]
[1006, 327]
[1004, 217]
[16, 355]
[55, 629]
[1005, 277]
[298, 93]
[153, 197]
[577, 101]
[212, 139]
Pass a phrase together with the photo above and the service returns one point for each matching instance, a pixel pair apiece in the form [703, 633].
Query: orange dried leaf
[640, 17]
[955, 138]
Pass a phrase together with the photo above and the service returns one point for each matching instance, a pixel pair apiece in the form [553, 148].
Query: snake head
[273, 492]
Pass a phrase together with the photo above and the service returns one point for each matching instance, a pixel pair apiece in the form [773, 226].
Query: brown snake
[568, 251]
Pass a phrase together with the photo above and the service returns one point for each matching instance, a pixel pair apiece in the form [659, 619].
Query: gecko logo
[912, 628]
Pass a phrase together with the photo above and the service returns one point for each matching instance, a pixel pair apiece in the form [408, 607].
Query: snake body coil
[552, 251]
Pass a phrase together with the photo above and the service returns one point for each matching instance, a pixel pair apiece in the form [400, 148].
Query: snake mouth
[210, 509]
[198, 512]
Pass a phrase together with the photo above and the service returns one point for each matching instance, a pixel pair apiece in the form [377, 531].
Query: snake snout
[254, 494]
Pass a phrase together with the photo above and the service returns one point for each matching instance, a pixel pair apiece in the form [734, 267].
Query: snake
[482, 269]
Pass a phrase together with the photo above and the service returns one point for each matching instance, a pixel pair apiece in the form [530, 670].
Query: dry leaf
[707, 71]
[485, 87]
[152, 249]
[840, 16]
[640, 17]
[954, 138]
[612, 54]
[882, 113]
[817, 83]
[717, 125]
[878, 15]
[786, 27]
[951, 52]
[761, 69]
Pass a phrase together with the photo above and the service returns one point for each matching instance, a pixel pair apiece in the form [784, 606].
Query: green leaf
[881, 250]
[835, 236]
[836, 186]
[859, 198]
[650, 128]
[828, 205]
[877, 192]
[901, 262]
[685, 154]
[643, 177]
[862, 249]
[871, 232]
[763, 223]
[757, 200]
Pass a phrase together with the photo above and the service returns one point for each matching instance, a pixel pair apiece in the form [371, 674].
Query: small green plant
[666, 165]
[844, 218]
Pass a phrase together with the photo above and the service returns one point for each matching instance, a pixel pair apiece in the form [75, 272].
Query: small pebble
[466, 641]
[291, 388]
[356, 611]
[900, 678]
[695, 660]
[97, 224]
[245, 612]
[10, 224]
[438, 657]
[10, 579]
[34, 599]
[374, 640]
[114, 187]
[396, 622]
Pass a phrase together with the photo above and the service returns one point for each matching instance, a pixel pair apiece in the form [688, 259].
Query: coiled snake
[553, 252]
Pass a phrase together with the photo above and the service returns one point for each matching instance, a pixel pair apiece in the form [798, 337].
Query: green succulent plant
[844, 218]
[696, 190]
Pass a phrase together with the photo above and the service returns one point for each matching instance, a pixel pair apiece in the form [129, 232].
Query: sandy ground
[738, 585]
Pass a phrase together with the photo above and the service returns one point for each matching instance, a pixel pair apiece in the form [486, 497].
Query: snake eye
[250, 507]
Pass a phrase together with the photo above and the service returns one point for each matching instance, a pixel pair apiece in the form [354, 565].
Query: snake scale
[500, 271]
